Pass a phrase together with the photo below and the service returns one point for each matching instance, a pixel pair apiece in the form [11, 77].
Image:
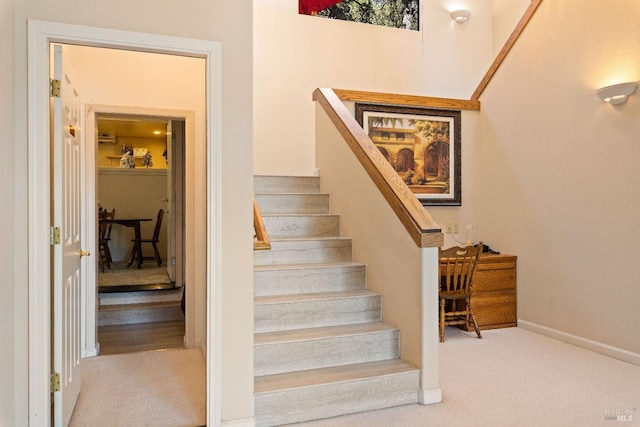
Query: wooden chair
[457, 269]
[104, 236]
[153, 241]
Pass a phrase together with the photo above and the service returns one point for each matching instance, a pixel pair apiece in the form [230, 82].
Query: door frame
[91, 346]
[40, 35]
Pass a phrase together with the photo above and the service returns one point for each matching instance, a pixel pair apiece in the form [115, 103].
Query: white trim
[598, 347]
[135, 171]
[91, 111]
[40, 34]
[244, 422]
[429, 397]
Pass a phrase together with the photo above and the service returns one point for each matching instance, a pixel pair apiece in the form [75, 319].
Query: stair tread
[310, 239]
[293, 298]
[307, 266]
[281, 214]
[320, 332]
[283, 193]
[333, 375]
[138, 306]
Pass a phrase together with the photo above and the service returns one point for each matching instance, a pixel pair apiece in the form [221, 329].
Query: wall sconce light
[461, 16]
[616, 94]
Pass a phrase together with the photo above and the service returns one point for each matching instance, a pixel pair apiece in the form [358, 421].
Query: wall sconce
[460, 16]
[616, 94]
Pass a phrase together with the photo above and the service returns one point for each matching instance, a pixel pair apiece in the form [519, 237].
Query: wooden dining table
[135, 224]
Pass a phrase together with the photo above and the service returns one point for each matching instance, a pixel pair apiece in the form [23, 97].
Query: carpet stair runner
[321, 349]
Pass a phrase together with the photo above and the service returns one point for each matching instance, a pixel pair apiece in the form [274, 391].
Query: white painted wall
[557, 170]
[505, 15]
[137, 193]
[294, 54]
[13, 351]
[202, 19]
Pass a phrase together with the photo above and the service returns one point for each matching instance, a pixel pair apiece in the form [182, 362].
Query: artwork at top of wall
[422, 145]
[390, 13]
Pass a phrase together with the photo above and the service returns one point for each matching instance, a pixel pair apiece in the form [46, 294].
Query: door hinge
[54, 235]
[54, 88]
[55, 382]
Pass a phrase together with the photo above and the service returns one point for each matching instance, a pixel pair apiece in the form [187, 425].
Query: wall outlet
[453, 228]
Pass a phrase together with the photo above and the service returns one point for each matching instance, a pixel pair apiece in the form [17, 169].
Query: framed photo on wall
[403, 14]
[422, 145]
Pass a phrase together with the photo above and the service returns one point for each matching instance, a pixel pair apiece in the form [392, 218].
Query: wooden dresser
[493, 297]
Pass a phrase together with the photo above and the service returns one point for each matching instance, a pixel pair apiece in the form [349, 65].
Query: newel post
[430, 391]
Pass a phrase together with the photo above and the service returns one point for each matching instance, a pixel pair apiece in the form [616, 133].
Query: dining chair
[457, 270]
[104, 236]
[153, 241]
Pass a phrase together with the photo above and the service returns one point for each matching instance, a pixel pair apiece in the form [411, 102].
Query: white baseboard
[244, 422]
[598, 347]
[429, 397]
[91, 352]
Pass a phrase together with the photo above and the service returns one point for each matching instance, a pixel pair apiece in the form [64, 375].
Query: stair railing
[424, 231]
[406, 275]
[261, 238]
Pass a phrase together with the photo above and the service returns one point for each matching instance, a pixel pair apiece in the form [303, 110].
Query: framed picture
[422, 145]
[403, 14]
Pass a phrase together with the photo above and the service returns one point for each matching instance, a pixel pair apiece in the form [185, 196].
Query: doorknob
[84, 253]
[165, 200]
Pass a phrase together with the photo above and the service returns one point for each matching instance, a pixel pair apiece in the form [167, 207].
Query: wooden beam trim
[412, 100]
[262, 238]
[424, 231]
[526, 17]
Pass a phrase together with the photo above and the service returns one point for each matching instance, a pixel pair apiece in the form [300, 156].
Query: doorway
[140, 175]
[41, 34]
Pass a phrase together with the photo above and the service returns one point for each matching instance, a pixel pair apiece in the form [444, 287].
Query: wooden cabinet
[493, 297]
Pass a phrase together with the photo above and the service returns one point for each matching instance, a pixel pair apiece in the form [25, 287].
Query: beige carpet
[154, 388]
[513, 377]
[120, 275]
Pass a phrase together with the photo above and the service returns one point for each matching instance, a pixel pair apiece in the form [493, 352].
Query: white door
[66, 202]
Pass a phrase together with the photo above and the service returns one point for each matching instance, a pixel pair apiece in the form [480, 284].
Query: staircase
[321, 349]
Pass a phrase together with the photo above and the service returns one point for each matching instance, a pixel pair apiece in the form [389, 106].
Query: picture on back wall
[422, 145]
[390, 13]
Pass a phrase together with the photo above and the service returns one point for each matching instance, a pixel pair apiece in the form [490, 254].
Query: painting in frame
[404, 14]
[422, 145]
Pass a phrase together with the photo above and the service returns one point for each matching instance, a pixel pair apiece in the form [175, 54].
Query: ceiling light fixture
[461, 16]
[616, 94]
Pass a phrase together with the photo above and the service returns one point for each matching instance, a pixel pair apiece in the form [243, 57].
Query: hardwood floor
[115, 339]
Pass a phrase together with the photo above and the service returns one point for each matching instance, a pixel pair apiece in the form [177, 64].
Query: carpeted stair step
[329, 392]
[308, 278]
[125, 314]
[304, 349]
[293, 203]
[288, 226]
[305, 251]
[285, 184]
[287, 312]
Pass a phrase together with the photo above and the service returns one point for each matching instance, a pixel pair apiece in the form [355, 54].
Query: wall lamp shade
[616, 94]
[460, 16]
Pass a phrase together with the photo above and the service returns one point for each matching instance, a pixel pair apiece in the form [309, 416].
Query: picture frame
[423, 146]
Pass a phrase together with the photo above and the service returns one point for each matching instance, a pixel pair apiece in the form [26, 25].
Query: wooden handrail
[526, 17]
[261, 238]
[411, 100]
[424, 231]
